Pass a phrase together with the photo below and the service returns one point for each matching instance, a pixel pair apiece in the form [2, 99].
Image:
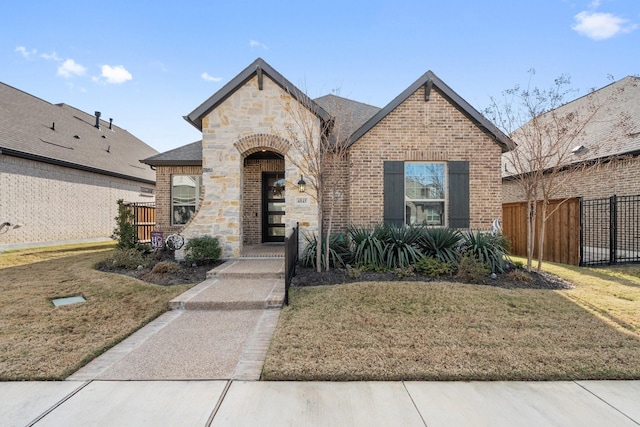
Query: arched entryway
[263, 198]
[263, 188]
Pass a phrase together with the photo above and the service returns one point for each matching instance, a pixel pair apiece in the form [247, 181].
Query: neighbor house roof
[258, 68]
[611, 120]
[59, 134]
[348, 115]
[430, 81]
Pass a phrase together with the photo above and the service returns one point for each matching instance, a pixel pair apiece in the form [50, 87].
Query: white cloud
[114, 75]
[24, 52]
[70, 68]
[255, 43]
[601, 26]
[53, 56]
[207, 78]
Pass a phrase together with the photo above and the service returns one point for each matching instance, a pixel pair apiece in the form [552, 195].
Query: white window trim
[197, 198]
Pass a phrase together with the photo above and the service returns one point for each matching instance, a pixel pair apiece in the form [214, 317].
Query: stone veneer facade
[248, 121]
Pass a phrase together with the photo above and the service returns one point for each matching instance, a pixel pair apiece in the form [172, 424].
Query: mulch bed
[534, 280]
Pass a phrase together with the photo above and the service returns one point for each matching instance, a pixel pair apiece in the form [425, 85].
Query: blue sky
[148, 64]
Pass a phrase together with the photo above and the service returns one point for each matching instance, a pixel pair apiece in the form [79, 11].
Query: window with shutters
[425, 193]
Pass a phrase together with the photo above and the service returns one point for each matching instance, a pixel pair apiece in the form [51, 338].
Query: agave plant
[486, 248]
[339, 253]
[441, 243]
[368, 247]
[401, 245]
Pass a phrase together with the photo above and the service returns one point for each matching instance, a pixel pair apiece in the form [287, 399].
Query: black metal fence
[290, 259]
[610, 232]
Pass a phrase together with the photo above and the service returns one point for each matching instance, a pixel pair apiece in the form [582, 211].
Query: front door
[273, 228]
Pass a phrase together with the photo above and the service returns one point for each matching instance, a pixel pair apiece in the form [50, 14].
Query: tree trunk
[541, 234]
[328, 238]
[531, 231]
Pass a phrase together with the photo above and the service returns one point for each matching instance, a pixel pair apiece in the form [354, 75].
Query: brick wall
[58, 204]
[419, 130]
[620, 177]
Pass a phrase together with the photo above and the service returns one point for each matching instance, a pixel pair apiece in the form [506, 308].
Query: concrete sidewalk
[254, 403]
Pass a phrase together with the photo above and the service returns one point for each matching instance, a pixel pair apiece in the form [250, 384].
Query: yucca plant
[401, 245]
[339, 253]
[368, 247]
[487, 249]
[441, 243]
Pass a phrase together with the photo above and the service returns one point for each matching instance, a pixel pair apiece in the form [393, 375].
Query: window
[425, 193]
[185, 192]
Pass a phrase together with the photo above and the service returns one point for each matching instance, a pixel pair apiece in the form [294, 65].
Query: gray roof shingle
[27, 130]
[187, 155]
[612, 117]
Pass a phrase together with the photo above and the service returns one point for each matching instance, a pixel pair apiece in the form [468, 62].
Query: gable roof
[259, 67]
[614, 129]
[429, 80]
[59, 134]
[348, 115]
[187, 155]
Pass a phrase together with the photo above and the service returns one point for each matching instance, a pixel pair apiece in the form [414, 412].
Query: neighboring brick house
[611, 137]
[62, 172]
[239, 182]
[583, 232]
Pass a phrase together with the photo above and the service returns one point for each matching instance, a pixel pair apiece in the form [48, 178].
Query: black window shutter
[459, 194]
[394, 193]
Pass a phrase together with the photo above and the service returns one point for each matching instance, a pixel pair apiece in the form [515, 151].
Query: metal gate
[610, 232]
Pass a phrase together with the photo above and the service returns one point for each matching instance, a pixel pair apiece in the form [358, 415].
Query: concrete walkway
[217, 330]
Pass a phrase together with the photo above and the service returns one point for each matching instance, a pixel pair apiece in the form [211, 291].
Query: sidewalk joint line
[605, 402]
[60, 402]
[414, 404]
[214, 412]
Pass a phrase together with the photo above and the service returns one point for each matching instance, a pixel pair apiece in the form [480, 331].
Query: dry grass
[40, 341]
[447, 331]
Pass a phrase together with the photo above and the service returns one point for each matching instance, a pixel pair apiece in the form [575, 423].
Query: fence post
[613, 229]
[581, 248]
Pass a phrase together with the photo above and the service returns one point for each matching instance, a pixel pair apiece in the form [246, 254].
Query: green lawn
[40, 341]
[449, 331]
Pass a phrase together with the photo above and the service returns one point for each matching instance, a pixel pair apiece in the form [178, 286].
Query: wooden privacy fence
[562, 233]
[144, 218]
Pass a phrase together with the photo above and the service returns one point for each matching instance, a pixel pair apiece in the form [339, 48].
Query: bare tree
[548, 145]
[320, 147]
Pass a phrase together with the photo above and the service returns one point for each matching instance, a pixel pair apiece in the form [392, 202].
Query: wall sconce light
[301, 184]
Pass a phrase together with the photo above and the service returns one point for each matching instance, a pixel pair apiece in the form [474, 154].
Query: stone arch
[261, 141]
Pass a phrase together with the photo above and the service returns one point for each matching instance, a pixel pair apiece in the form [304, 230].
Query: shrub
[125, 231]
[402, 272]
[166, 267]
[434, 267]
[487, 249]
[368, 247]
[401, 245]
[128, 258]
[339, 253]
[202, 250]
[441, 243]
[353, 272]
[520, 276]
[471, 269]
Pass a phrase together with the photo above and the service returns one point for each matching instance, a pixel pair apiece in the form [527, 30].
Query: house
[597, 166]
[610, 137]
[63, 170]
[240, 182]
